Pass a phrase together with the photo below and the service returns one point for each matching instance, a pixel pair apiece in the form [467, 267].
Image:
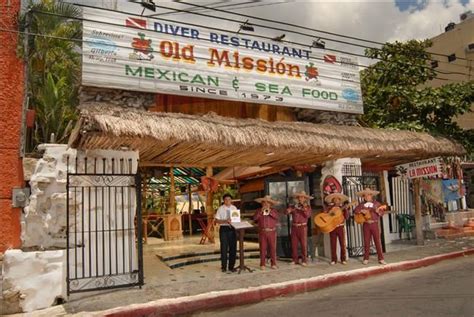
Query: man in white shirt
[227, 235]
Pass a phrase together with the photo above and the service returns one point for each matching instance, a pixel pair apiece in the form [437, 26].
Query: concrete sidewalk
[203, 286]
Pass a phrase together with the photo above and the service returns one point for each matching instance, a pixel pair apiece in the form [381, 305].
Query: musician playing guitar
[300, 212]
[371, 226]
[338, 200]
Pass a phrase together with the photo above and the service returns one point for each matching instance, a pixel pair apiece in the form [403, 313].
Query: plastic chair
[405, 224]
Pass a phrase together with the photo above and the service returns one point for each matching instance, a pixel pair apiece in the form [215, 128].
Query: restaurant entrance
[283, 189]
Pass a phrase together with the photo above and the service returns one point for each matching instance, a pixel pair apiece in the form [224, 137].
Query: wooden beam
[209, 207]
[171, 208]
[418, 218]
[190, 209]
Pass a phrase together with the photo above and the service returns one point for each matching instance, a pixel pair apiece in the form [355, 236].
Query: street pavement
[206, 280]
[444, 289]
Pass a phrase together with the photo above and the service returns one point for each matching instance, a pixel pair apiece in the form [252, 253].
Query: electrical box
[20, 197]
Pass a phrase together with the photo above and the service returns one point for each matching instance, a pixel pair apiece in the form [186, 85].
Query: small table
[240, 228]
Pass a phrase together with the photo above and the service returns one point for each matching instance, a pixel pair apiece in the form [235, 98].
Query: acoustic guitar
[362, 217]
[328, 221]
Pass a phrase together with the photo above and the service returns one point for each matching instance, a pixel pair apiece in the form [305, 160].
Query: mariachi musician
[372, 210]
[267, 220]
[300, 212]
[338, 200]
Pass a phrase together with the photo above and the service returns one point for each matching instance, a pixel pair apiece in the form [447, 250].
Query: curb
[243, 296]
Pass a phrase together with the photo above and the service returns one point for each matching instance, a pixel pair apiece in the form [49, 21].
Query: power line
[129, 48]
[297, 26]
[279, 29]
[302, 27]
[233, 5]
[252, 35]
[194, 9]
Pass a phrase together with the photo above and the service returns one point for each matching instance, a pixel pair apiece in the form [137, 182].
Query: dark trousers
[228, 240]
[338, 233]
[371, 230]
[299, 235]
[267, 241]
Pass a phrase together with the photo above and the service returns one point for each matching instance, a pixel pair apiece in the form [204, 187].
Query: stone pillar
[43, 223]
[173, 223]
[332, 171]
[209, 206]
[11, 102]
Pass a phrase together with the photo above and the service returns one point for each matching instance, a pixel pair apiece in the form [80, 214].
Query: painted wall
[11, 97]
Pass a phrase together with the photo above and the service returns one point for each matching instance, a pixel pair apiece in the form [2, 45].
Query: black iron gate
[355, 236]
[104, 226]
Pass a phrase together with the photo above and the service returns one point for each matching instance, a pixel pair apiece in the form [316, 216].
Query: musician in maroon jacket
[299, 228]
[267, 220]
[371, 227]
[338, 200]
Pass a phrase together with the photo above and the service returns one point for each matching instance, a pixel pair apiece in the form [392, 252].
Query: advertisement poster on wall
[159, 55]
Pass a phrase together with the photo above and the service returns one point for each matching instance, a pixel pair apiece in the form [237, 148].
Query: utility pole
[25, 105]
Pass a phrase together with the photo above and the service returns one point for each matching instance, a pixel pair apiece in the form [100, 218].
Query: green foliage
[217, 201]
[396, 95]
[53, 67]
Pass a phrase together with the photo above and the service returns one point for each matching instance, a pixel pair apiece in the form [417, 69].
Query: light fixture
[318, 43]
[279, 38]
[246, 26]
[146, 4]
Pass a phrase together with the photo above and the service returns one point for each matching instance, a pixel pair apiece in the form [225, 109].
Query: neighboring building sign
[153, 55]
[423, 168]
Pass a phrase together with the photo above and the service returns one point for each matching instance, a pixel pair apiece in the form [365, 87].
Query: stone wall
[37, 279]
[326, 117]
[32, 280]
[44, 217]
[122, 98]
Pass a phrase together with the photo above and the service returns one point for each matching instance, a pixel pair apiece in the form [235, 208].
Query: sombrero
[367, 191]
[329, 198]
[267, 198]
[302, 194]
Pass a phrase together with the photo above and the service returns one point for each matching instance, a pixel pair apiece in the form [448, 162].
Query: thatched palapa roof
[211, 140]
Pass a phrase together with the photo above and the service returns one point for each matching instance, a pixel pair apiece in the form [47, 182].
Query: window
[451, 58]
[434, 64]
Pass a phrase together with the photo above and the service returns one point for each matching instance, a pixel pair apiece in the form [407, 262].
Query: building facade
[453, 58]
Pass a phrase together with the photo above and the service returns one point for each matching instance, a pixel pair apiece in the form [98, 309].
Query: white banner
[423, 168]
[152, 55]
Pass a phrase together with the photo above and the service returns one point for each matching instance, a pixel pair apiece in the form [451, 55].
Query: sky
[381, 20]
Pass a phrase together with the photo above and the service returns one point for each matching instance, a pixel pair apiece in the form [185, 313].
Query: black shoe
[223, 270]
[233, 270]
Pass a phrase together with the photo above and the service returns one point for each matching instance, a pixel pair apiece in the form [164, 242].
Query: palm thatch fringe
[105, 122]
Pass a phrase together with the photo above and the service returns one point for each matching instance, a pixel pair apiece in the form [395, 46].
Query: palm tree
[53, 67]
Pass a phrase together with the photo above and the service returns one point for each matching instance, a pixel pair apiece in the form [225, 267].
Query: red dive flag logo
[135, 23]
[330, 58]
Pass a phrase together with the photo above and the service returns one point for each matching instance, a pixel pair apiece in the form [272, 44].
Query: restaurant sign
[137, 53]
[423, 168]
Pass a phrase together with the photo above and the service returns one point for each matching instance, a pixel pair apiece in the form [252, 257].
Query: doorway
[283, 189]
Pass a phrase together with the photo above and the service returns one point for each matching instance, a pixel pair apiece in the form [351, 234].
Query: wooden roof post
[209, 207]
[190, 209]
[209, 196]
[171, 208]
[418, 219]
